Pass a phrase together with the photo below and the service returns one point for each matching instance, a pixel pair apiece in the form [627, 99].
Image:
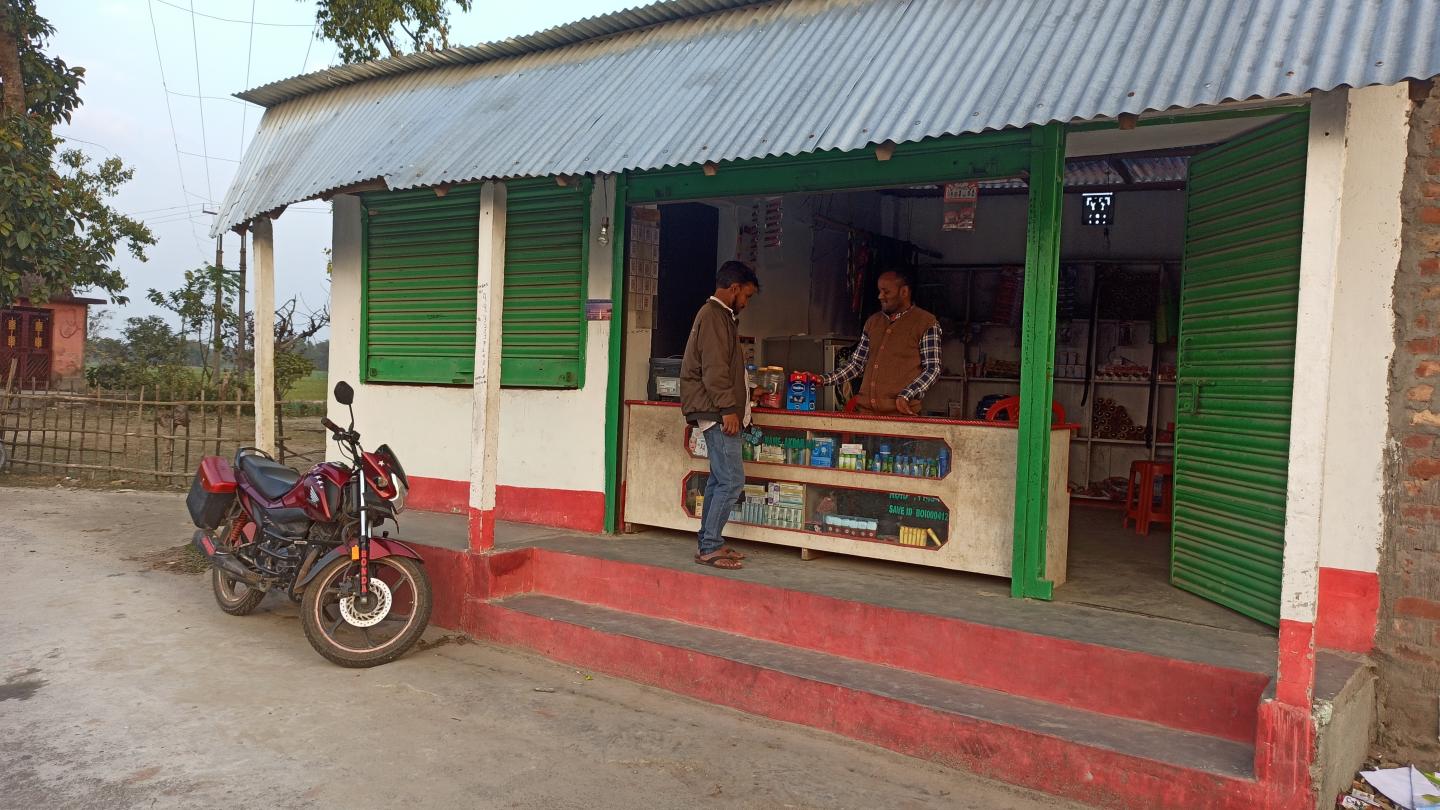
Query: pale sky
[125, 113]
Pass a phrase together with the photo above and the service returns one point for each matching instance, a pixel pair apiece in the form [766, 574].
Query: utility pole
[217, 342]
[240, 364]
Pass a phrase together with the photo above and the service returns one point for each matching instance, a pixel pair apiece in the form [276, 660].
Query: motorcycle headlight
[399, 500]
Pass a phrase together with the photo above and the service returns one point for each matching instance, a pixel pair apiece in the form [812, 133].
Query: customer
[713, 396]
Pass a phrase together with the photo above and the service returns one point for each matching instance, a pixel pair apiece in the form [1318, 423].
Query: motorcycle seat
[272, 478]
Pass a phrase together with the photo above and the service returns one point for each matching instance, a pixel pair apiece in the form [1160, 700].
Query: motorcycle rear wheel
[374, 641]
[233, 596]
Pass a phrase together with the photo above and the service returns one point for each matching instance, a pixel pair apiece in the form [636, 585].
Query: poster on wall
[959, 208]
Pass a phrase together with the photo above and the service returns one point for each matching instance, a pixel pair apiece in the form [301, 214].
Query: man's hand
[905, 406]
[730, 424]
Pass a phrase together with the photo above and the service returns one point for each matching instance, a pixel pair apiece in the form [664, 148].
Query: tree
[194, 304]
[151, 341]
[57, 231]
[361, 27]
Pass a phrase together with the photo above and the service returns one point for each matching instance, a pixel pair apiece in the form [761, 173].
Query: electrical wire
[313, 30]
[174, 141]
[204, 146]
[249, 54]
[228, 20]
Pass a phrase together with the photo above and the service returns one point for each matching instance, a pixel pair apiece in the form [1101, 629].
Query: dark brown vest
[894, 358]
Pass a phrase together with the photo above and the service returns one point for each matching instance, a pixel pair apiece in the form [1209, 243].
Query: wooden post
[217, 344]
[69, 432]
[110, 443]
[29, 405]
[485, 407]
[240, 311]
[264, 335]
[220, 416]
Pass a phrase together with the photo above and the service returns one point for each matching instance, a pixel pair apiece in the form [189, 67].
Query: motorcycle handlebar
[331, 426]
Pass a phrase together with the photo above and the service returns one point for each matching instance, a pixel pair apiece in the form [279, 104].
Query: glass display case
[937, 492]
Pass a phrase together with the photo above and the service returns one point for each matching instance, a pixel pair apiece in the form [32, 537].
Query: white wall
[555, 439]
[1352, 513]
[428, 426]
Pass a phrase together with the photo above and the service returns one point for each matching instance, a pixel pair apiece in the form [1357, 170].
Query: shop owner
[898, 357]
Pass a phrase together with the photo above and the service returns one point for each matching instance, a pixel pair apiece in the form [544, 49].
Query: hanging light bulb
[604, 237]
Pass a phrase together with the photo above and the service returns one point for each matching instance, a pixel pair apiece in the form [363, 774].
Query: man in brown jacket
[712, 398]
[898, 356]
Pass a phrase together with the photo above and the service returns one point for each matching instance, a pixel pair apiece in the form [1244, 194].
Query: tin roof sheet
[690, 81]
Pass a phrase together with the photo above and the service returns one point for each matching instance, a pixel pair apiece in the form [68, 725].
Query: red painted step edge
[1189, 696]
[1022, 757]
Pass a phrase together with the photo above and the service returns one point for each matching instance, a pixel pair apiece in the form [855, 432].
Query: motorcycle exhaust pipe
[224, 561]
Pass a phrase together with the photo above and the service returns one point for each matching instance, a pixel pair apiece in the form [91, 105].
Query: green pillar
[1037, 361]
[614, 402]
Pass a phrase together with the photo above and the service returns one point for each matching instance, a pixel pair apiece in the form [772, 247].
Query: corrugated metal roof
[798, 76]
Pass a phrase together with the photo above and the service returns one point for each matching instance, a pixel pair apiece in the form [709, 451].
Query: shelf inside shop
[995, 379]
[1129, 442]
[1099, 381]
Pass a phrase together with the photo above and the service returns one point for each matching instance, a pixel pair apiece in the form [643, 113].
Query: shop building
[43, 342]
[1186, 269]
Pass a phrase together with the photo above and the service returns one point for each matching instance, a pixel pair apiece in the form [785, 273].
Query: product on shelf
[1110, 420]
[771, 381]
[852, 457]
[822, 452]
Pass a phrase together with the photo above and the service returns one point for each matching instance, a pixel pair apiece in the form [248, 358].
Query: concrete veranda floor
[124, 686]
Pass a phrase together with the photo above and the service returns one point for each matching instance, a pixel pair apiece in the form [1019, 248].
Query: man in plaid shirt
[899, 352]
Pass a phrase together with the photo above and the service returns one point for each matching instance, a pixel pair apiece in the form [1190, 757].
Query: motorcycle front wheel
[352, 633]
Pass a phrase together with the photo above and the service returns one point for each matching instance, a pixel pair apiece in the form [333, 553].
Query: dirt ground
[123, 685]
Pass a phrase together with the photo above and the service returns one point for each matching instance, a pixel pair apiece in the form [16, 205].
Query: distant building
[44, 342]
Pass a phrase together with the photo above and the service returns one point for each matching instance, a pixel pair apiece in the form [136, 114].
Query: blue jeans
[726, 482]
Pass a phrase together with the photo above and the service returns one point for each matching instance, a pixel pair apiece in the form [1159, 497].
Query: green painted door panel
[546, 257]
[419, 260]
[1239, 293]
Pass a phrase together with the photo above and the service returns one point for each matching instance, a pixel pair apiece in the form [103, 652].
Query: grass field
[316, 386]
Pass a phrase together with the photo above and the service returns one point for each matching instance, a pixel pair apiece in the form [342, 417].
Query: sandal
[730, 552]
[718, 559]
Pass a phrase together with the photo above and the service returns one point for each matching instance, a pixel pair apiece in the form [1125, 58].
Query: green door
[1239, 291]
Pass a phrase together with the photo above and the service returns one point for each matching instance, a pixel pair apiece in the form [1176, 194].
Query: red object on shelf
[1140, 503]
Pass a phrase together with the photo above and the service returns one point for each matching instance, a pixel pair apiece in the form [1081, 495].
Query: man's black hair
[906, 276]
[735, 272]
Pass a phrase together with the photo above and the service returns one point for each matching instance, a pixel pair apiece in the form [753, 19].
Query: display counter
[938, 492]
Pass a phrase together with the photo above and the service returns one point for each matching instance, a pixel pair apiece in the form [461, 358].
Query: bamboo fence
[155, 437]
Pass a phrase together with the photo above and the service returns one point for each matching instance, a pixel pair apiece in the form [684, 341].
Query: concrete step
[1092, 757]
[1187, 695]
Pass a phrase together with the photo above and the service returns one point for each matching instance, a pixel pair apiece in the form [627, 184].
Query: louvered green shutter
[546, 250]
[419, 265]
[1239, 297]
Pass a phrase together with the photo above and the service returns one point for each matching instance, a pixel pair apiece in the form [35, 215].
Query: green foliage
[194, 304]
[290, 368]
[151, 341]
[361, 27]
[57, 232]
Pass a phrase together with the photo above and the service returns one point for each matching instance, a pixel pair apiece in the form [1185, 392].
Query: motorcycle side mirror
[344, 394]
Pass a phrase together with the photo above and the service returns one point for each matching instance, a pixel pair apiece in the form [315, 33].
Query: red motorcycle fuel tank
[319, 492]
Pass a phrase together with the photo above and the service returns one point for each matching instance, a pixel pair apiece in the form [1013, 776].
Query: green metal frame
[995, 154]
[1037, 362]
[614, 402]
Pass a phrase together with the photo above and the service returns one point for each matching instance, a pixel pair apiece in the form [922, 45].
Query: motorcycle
[364, 597]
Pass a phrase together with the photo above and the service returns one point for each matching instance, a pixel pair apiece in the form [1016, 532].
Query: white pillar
[1314, 335]
[485, 410]
[264, 244]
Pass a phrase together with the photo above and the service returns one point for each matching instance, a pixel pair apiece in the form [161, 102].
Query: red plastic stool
[1140, 505]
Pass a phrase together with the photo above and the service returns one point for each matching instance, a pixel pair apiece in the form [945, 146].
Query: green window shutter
[546, 251]
[418, 270]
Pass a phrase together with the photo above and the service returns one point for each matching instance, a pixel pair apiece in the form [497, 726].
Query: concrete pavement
[123, 685]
